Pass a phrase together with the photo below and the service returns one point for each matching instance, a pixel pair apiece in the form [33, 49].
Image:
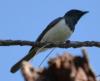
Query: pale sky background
[26, 19]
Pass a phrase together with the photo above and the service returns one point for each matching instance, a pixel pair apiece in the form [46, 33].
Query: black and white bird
[58, 30]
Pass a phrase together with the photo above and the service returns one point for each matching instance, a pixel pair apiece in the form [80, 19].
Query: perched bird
[59, 30]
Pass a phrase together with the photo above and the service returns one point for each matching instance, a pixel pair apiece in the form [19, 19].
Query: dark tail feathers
[31, 54]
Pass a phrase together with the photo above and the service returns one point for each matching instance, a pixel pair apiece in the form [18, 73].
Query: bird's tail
[31, 54]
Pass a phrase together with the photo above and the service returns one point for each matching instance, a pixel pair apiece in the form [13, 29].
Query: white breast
[60, 33]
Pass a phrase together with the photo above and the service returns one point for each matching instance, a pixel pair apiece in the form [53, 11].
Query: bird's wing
[48, 28]
[33, 50]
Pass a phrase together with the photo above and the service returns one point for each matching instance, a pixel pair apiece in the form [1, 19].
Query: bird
[59, 30]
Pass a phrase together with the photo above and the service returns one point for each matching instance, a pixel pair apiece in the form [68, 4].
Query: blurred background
[26, 19]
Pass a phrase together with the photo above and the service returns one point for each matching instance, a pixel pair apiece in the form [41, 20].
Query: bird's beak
[85, 12]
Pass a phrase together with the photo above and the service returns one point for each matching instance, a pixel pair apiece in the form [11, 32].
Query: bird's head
[72, 17]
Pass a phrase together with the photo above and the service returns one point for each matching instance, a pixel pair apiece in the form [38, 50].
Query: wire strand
[46, 56]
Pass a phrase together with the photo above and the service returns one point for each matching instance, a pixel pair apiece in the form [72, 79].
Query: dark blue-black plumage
[71, 18]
